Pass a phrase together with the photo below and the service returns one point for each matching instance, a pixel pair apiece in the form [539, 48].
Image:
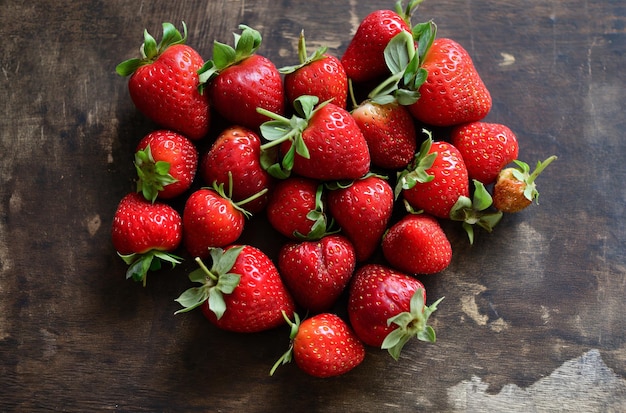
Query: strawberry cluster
[340, 157]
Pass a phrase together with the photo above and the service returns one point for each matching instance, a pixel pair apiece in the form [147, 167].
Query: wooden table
[533, 319]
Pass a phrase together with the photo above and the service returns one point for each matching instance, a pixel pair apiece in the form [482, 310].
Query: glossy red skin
[325, 346]
[237, 150]
[377, 293]
[240, 89]
[451, 181]
[166, 91]
[364, 59]
[363, 210]
[256, 304]
[486, 148]
[179, 152]
[453, 92]
[337, 147]
[417, 245]
[140, 226]
[317, 272]
[324, 78]
[390, 133]
[210, 221]
[290, 202]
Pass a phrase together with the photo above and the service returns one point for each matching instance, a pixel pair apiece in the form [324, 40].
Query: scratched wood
[534, 314]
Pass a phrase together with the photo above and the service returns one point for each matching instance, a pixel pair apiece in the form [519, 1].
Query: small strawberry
[515, 188]
[453, 92]
[319, 74]
[486, 148]
[435, 179]
[235, 155]
[322, 346]
[241, 292]
[163, 84]
[316, 272]
[238, 81]
[145, 234]
[362, 210]
[321, 142]
[296, 209]
[166, 164]
[387, 308]
[417, 245]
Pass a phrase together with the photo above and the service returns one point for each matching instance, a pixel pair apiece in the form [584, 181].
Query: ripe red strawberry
[322, 346]
[163, 84]
[322, 142]
[235, 155]
[166, 164]
[453, 92]
[387, 308]
[435, 179]
[319, 74]
[316, 272]
[144, 235]
[417, 245]
[362, 210]
[241, 292]
[515, 188]
[486, 148]
[296, 208]
[238, 81]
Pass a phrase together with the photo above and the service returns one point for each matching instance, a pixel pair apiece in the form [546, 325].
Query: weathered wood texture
[534, 313]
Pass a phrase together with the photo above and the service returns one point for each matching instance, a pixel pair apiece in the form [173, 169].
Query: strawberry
[362, 210]
[417, 245]
[316, 272]
[145, 234]
[163, 83]
[453, 92]
[486, 148]
[296, 208]
[322, 346]
[321, 142]
[319, 74]
[515, 187]
[235, 155]
[387, 308]
[166, 164]
[241, 292]
[238, 80]
[435, 179]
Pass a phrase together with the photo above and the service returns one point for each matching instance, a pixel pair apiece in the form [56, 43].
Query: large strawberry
[320, 74]
[145, 234]
[453, 92]
[235, 155]
[238, 81]
[417, 245]
[362, 210]
[435, 179]
[163, 83]
[322, 346]
[387, 308]
[241, 291]
[322, 141]
[316, 272]
[166, 164]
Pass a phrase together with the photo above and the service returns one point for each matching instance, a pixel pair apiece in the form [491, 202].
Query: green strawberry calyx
[224, 56]
[417, 171]
[475, 211]
[152, 176]
[215, 282]
[219, 188]
[150, 50]
[303, 58]
[405, 12]
[140, 264]
[287, 357]
[321, 224]
[523, 174]
[411, 324]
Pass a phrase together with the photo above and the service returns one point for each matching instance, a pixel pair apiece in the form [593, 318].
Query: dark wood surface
[533, 318]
